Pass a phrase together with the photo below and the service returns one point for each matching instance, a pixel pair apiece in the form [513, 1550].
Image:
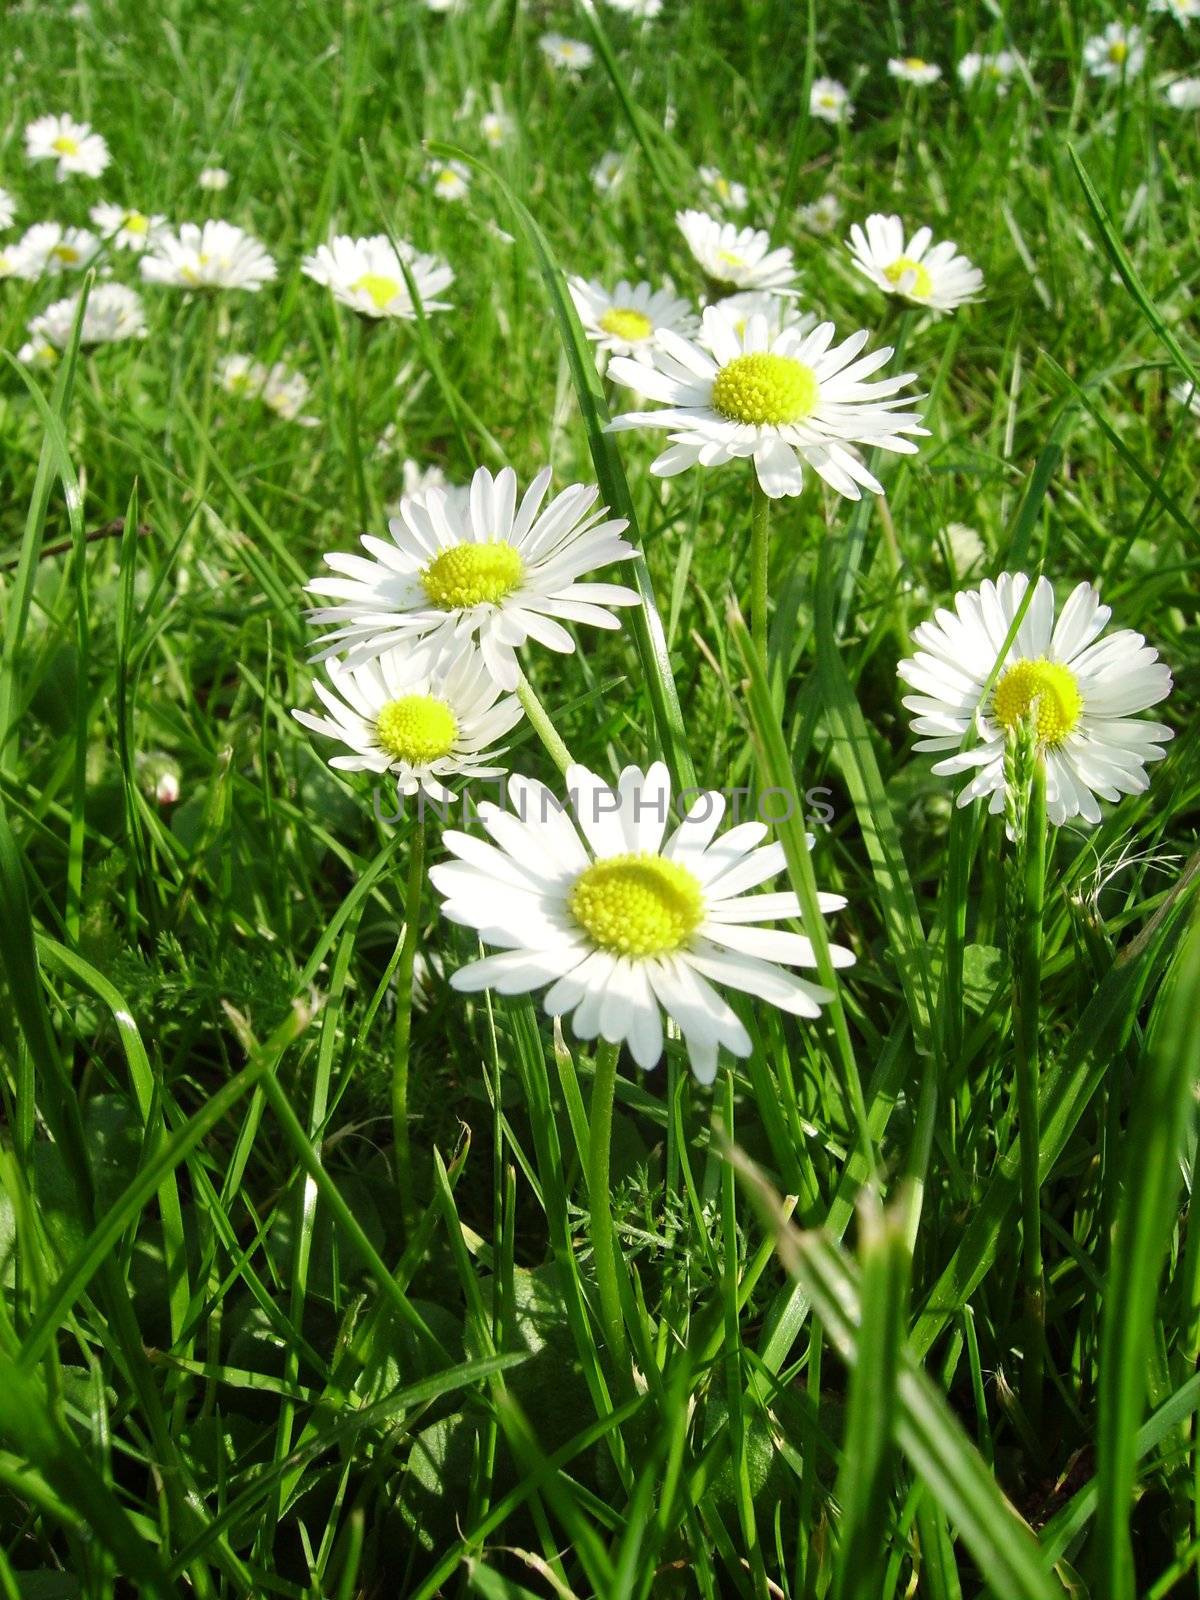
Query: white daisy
[73, 145]
[829, 101]
[732, 196]
[127, 229]
[449, 180]
[739, 256]
[1084, 693]
[915, 70]
[1118, 52]
[606, 174]
[457, 568]
[210, 255]
[938, 278]
[424, 725]
[822, 216]
[994, 67]
[212, 179]
[780, 311]
[1181, 10]
[568, 55]
[783, 402]
[48, 249]
[367, 276]
[624, 321]
[496, 128]
[282, 390]
[643, 10]
[1184, 94]
[113, 313]
[38, 353]
[8, 209]
[1187, 395]
[624, 920]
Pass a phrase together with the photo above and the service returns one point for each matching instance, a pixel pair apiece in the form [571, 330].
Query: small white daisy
[988, 67]
[367, 276]
[643, 10]
[113, 313]
[607, 172]
[829, 101]
[38, 353]
[1116, 53]
[1181, 10]
[449, 180]
[624, 321]
[782, 402]
[48, 249]
[1187, 395]
[741, 257]
[422, 725]
[914, 70]
[779, 311]
[731, 195]
[1083, 691]
[625, 920]
[125, 228]
[481, 567]
[568, 55]
[8, 209]
[937, 278]
[822, 215]
[1184, 94]
[496, 128]
[210, 255]
[212, 179]
[280, 389]
[73, 145]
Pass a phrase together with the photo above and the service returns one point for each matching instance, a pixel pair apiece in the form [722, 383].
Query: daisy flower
[8, 209]
[495, 128]
[829, 101]
[1187, 395]
[113, 313]
[643, 10]
[782, 402]
[912, 69]
[449, 180]
[731, 195]
[1118, 52]
[624, 920]
[938, 278]
[279, 388]
[822, 216]
[210, 255]
[128, 230]
[568, 55]
[995, 67]
[780, 312]
[625, 320]
[48, 249]
[73, 145]
[212, 179]
[422, 725]
[1181, 10]
[1184, 94]
[1083, 692]
[478, 566]
[367, 276]
[739, 256]
[38, 352]
[606, 174]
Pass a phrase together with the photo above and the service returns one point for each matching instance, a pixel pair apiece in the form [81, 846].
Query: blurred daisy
[644, 10]
[210, 255]
[282, 390]
[73, 145]
[1118, 52]
[993, 67]
[1181, 10]
[625, 320]
[912, 69]
[625, 919]
[367, 276]
[1184, 94]
[460, 567]
[822, 216]
[423, 726]
[1083, 693]
[568, 55]
[607, 172]
[739, 256]
[938, 278]
[783, 402]
[731, 195]
[779, 312]
[964, 547]
[113, 313]
[496, 128]
[128, 230]
[8, 209]
[213, 179]
[48, 249]
[449, 180]
[1187, 395]
[829, 101]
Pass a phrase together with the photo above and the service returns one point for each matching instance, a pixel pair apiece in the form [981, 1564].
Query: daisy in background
[607, 172]
[1184, 94]
[625, 320]
[914, 70]
[8, 209]
[782, 402]
[368, 276]
[568, 55]
[422, 726]
[449, 180]
[939, 278]
[732, 196]
[740, 257]
[73, 145]
[1118, 52]
[1082, 691]
[822, 216]
[1187, 396]
[643, 10]
[113, 313]
[280, 389]
[479, 566]
[779, 312]
[212, 179]
[48, 249]
[994, 67]
[625, 920]
[1181, 10]
[126, 229]
[495, 128]
[210, 255]
[829, 101]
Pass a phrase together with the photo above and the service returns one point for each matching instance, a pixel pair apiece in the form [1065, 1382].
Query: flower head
[783, 401]
[125, 228]
[1184, 94]
[48, 249]
[1118, 52]
[731, 195]
[829, 101]
[993, 67]
[73, 145]
[937, 278]
[210, 255]
[1082, 693]
[568, 55]
[914, 70]
[449, 180]
[212, 179]
[822, 215]
[625, 920]
[741, 257]
[368, 276]
[496, 128]
[8, 209]
[462, 566]
[280, 389]
[626, 319]
[780, 311]
[643, 10]
[606, 174]
[113, 313]
[1181, 10]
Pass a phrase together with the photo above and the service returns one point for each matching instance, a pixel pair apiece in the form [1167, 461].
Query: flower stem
[539, 718]
[1027, 981]
[760, 562]
[404, 1002]
[604, 1252]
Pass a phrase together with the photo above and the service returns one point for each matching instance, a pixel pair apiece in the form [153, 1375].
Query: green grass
[242, 1352]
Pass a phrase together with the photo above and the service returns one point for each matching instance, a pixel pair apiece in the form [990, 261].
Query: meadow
[771, 1176]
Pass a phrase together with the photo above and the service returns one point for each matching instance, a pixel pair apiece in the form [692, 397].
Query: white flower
[1118, 52]
[829, 100]
[782, 401]
[496, 128]
[780, 312]
[458, 567]
[938, 278]
[1181, 10]
[822, 216]
[8, 209]
[73, 145]
[643, 10]
[113, 313]
[731, 195]
[441, 6]
[210, 255]
[739, 256]
[624, 920]
[625, 320]
[367, 276]
[1187, 396]
[912, 69]
[167, 789]
[568, 55]
[279, 388]
[994, 67]
[1184, 94]
[127, 229]
[422, 723]
[606, 174]
[965, 548]
[449, 180]
[47, 249]
[213, 179]
[1082, 691]
[39, 353]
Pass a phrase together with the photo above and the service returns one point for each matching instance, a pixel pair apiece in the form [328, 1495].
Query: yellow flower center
[65, 253]
[378, 288]
[447, 178]
[637, 905]
[914, 63]
[729, 258]
[1117, 52]
[829, 101]
[1046, 685]
[65, 145]
[623, 322]
[135, 222]
[469, 575]
[764, 388]
[417, 729]
[920, 284]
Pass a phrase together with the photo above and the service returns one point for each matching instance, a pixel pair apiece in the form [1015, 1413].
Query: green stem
[404, 1001]
[1027, 981]
[604, 1250]
[539, 719]
[760, 563]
